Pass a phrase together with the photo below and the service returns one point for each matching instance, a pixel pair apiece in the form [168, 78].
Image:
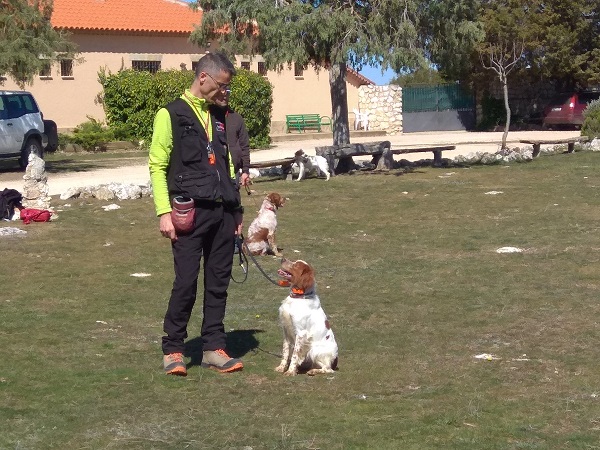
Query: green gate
[442, 97]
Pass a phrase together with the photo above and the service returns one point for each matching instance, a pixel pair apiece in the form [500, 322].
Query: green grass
[408, 273]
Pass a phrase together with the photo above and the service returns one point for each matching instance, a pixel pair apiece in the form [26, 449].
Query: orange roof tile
[166, 16]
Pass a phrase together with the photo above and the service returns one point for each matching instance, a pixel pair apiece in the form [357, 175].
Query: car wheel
[31, 146]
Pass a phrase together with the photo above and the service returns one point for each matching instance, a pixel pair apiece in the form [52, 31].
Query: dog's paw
[280, 369]
[290, 373]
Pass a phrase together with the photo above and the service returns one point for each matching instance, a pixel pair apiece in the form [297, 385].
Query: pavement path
[465, 141]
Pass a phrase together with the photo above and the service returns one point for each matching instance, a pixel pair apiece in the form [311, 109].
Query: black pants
[212, 239]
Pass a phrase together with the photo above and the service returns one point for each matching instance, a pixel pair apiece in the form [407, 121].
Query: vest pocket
[190, 150]
[202, 186]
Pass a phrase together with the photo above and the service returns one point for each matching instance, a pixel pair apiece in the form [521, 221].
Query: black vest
[190, 174]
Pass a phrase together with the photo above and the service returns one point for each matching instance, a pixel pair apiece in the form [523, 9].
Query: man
[238, 143]
[189, 159]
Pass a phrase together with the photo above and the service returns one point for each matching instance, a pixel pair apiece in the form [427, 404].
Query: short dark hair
[213, 63]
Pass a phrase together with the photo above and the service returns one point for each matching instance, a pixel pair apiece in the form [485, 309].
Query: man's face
[216, 87]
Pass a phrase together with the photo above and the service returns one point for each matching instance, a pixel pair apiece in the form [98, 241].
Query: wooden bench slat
[402, 151]
[554, 141]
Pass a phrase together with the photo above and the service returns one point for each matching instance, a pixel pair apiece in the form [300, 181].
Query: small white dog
[308, 341]
[307, 164]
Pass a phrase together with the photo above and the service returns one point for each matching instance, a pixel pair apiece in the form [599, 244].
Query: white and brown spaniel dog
[308, 341]
[260, 239]
[307, 164]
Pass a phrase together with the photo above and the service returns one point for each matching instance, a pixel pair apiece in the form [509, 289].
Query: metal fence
[442, 97]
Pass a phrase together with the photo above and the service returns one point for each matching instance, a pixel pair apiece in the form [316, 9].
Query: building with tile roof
[153, 35]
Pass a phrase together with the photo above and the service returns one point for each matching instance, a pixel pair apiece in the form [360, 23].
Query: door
[12, 127]
[7, 141]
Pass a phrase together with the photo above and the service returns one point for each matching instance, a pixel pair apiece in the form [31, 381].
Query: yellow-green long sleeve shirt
[162, 146]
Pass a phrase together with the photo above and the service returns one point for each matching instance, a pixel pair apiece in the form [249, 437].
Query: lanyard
[207, 128]
[205, 123]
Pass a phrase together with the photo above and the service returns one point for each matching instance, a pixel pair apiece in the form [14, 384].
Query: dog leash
[243, 262]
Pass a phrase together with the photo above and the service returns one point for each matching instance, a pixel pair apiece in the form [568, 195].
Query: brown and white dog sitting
[260, 239]
[308, 341]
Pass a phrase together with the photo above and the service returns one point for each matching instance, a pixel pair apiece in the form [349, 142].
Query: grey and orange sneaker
[219, 360]
[174, 364]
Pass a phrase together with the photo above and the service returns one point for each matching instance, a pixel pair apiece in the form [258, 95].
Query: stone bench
[537, 143]
[340, 160]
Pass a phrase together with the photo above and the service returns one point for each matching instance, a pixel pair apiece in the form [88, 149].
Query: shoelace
[175, 357]
[222, 353]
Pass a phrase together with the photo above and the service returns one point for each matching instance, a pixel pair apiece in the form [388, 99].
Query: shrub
[591, 120]
[132, 98]
[92, 135]
[252, 98]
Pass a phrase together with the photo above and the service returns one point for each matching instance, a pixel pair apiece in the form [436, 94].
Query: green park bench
[303, 122]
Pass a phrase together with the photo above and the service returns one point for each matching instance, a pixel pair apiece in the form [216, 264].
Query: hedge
[131, 99]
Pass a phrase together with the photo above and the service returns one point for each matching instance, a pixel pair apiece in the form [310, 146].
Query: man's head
[213, 75]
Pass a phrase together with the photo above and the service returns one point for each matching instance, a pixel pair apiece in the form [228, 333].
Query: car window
[28, 104]
[586, 97]
[15, 110]
[3, 111]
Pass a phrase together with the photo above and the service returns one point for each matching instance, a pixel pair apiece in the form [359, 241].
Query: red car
[567, 108]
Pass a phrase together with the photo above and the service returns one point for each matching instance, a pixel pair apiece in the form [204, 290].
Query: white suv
[21, 127]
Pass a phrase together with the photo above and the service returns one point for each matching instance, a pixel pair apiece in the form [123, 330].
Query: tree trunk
[339, 104]
[504, 80]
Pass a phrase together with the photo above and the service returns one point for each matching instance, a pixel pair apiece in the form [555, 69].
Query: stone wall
[383, 104]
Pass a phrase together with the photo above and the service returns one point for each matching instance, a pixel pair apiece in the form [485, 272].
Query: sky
[374, 74]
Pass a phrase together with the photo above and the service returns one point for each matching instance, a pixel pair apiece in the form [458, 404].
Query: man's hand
[245, 179]
[166, 227]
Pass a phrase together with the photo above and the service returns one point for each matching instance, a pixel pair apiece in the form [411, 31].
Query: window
[245, 65]
[27, 104]
[262, 69]
[3, 109]
[147, 66]
[18, 105]
[66, 68]
[46, 70]
[298, 71]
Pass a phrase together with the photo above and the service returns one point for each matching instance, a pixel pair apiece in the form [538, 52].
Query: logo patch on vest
[219, 126]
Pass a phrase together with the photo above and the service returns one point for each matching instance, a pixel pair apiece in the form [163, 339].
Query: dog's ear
[304, 275]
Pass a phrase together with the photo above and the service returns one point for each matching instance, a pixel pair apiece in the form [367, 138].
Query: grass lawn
[408, 273]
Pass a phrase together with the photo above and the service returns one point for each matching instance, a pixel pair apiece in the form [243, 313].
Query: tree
[420, 76]
[325, 34]
[452, 31]
[26, 34]
[567, 33]
[502, 50]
